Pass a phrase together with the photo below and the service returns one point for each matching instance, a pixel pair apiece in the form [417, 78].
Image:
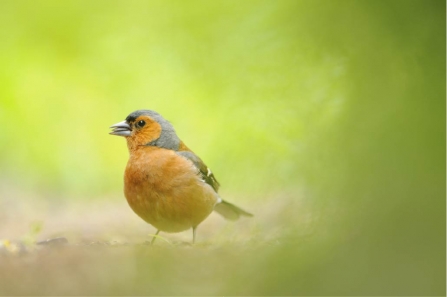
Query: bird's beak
[121, 129]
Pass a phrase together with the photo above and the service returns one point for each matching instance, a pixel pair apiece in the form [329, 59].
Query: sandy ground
[108, 253]
[111, 219]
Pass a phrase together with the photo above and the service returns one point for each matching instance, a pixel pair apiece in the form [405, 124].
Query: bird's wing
[204, 171]
[226, 209]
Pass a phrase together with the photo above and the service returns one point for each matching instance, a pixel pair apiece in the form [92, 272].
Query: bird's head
[146, 128]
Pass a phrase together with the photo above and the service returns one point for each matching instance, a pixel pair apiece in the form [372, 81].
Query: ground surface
[102, 247]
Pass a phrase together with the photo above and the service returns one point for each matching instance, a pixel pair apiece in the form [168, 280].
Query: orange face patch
[144, 130]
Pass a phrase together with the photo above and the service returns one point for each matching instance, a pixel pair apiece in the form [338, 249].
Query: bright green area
[340, 102]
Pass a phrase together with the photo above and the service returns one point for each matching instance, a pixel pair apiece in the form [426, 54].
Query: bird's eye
[141, 123]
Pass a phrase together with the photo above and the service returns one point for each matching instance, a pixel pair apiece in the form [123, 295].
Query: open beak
[121, 129]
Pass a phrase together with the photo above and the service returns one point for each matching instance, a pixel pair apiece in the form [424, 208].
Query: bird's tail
[230, 211]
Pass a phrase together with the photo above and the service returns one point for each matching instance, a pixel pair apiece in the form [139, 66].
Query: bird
[165, 183]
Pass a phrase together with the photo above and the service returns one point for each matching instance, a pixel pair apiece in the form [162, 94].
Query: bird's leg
[153, 238]
[194, 234]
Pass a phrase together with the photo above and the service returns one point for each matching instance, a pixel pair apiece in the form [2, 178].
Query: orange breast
[165, 190]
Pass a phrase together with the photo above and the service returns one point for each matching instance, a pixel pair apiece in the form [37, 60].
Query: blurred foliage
[343, 101]
[243, 83]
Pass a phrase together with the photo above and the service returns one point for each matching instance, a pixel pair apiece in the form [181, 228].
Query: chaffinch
[165, 183]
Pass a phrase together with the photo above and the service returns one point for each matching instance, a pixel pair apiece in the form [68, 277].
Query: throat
[138, 149]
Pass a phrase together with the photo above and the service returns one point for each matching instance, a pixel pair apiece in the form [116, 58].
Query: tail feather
[230, 211]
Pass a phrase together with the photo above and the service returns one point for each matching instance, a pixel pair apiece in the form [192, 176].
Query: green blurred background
[332, 111]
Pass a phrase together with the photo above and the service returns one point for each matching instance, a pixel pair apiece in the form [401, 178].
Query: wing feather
[205, 173]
